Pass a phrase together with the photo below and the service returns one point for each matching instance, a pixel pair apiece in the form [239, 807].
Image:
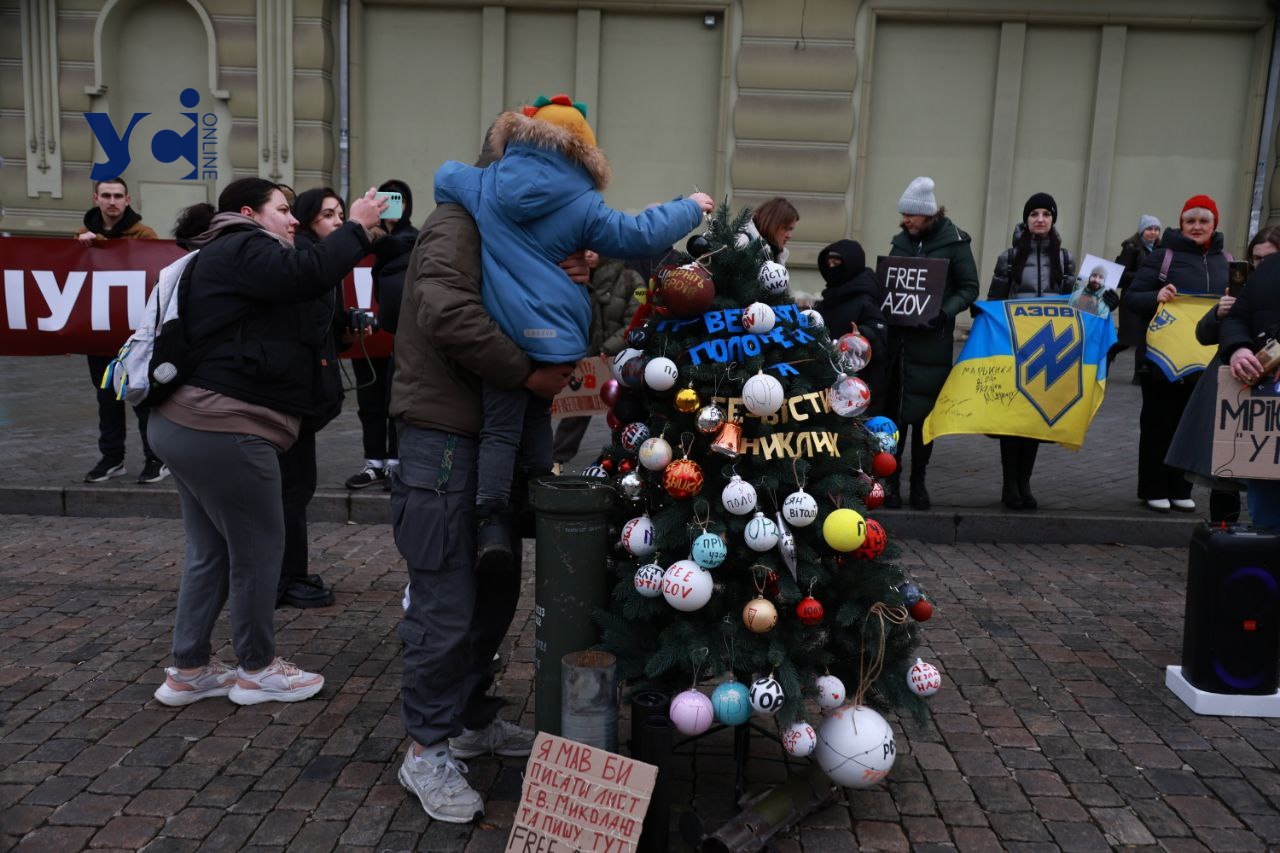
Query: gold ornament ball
[760, 615]
[687, 400]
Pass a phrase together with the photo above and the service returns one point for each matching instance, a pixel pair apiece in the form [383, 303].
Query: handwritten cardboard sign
[577, 797]
[582, 395]
[911, 289]
[1246, 429]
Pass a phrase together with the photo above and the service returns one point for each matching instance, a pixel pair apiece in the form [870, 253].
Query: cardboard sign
[577, 797]
[582, 395]
[1246, 429]
[911, 289]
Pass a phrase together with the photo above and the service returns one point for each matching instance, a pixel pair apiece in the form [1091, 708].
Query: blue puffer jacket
[537, 205]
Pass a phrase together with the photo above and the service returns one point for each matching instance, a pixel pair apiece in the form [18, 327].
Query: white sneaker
[497, 738]
[279, 682]
[444, 794]
[213, 679]
[1158, 504]
[1183, 504]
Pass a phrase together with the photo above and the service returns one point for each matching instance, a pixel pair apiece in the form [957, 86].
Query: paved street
[1053, 729]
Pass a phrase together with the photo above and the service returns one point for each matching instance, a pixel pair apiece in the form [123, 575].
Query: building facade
[1116, 107]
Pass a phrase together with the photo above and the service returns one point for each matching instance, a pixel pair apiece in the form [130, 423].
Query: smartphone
[395, 205]
[1237, 275]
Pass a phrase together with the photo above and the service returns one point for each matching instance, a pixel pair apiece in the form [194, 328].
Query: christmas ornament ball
[888, 443]
[873, 546]
[710, 419]
[774, 277]
[624, 372]
[596, 472]
[637, 536]
[609, 391]
[612, 419]
[631, 486]
[759, 615]
[732, 703]
[661, 373]
[813, 319]
[809, 611]
[875, 497]
[648, 580]
[800, 509]
[687, 586]
[697, 245]
[856, 347]
[855, 747]
[799, 739]
[883, 464]
[688, 290]
[738, 496]
[849, 396]
[687, 400]
[884, 426]
[682, 479]
[767, 696]
[758, 318]
[638, 337]
[924, 678]
[921, 611]
[708, 550]
[691, 713]
[844, 530]
[910, 592]
[655, 453]
[761, 534]
[831, 692]
[633, 435]
[762, 395]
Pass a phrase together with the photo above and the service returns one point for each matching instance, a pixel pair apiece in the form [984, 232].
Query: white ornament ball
[648, 580]
[741, 240]
[655, 453]
[738, 496]
[691, 713]
[761, 533]
[687, 586]
[637, 536]
[758, 318]
[855, 747]
[830, 692]
[774, 277]
[767, 696]
[596, 472]
[813, 318]
[849, 396]
[626, 376]
[799, 739]
[661, 373]
[924, 678]
[762, 395]
[800, 509]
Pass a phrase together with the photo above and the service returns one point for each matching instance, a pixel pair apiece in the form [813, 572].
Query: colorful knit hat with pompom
[563, 111]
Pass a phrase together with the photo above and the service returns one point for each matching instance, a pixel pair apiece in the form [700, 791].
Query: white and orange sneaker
[281, 681]
[213, 679]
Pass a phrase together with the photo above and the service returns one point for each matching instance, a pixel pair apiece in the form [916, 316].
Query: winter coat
[537, 205]
[1190, 270]
[613, 288]
[1036, 278]
[447, 342]
[391, 254]
[260, 304]
[328, 314]
[1256, 315]
[857, 301]
[1133, 253]
[129, 227]
[1192, 447]
[920, 359]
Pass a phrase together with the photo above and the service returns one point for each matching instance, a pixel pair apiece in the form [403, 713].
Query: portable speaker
[1231, 631]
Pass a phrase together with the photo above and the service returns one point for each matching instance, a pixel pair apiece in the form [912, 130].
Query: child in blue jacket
[537, 204]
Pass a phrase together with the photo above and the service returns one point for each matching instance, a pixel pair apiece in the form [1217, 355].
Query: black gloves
[939, 321]
[1111, 298]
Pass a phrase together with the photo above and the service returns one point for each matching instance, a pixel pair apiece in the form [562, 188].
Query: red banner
[61, 296]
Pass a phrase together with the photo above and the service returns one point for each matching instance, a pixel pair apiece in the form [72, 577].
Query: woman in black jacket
[248, 306]
[851, 298]
[1196, 264]
[1133, 253]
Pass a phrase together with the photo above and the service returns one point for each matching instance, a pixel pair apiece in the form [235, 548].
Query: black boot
[1009, 494]
[919, 494]
[493, 538]
[1026, 464]
[893, 492]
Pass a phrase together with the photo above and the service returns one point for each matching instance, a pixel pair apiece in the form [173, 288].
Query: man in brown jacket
[446, 344]
[112, 218]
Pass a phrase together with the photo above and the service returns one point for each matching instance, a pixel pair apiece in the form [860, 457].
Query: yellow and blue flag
[1171, 336]
[1035, 368]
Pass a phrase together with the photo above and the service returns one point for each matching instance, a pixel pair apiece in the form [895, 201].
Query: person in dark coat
[852, 299]
[920, 358]
[1133, 252]
[1197, 264]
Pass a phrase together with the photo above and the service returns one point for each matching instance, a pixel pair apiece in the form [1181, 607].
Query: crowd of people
[456, 423]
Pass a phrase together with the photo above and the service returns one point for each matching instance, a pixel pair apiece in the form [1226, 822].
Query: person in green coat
[919, 359]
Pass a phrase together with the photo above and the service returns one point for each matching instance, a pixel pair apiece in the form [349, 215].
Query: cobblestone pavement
[1053, 730]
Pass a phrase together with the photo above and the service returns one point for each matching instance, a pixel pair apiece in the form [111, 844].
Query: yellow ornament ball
[687, 400]
[844, 530]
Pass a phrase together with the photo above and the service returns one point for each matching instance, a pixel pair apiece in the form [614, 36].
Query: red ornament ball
[613, 420]
[873, 545]
[874, 498]
[607, 464]
[688, 290]
[884, 464]
[609, 392]
[809, 611]
[921, 610]
[682, 479]
[625, 466]
[771, 584]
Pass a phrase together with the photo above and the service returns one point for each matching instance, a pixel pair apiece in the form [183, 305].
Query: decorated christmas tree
[746, 558]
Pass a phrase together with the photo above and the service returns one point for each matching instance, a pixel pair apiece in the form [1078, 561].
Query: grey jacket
[1037, 276]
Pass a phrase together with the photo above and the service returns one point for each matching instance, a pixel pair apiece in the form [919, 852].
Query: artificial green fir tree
[839, 602]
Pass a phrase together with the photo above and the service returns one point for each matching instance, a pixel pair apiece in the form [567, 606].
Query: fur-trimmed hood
[512, 128]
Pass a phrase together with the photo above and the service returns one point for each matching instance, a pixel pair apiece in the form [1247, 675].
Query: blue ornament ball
[883, 425]
[732, 703]
[709, 550]
[910, 593]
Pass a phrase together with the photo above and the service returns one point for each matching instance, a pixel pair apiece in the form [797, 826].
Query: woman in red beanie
[1196, 264]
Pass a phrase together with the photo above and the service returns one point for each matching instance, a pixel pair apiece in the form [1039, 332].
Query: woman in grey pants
[258, 373]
